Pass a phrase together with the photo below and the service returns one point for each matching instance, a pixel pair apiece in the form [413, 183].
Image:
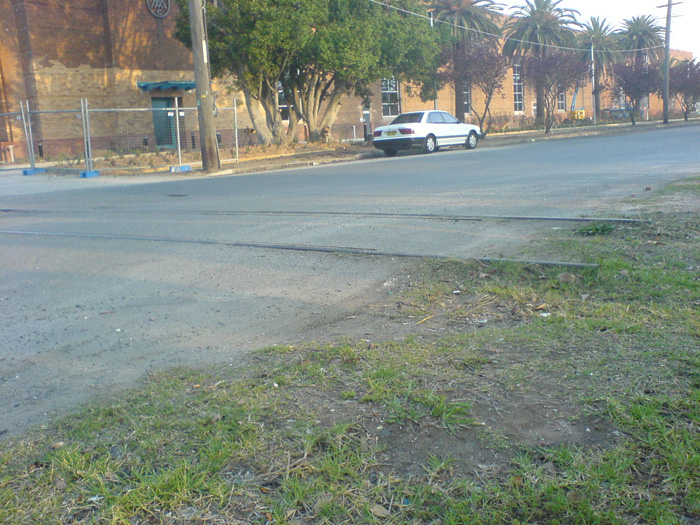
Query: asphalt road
[105, 280]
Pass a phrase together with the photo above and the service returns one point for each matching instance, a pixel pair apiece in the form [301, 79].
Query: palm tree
[470, 21]
[536, 26]
[640, 37]
[540, 24]
[641, 41]
[601, 49]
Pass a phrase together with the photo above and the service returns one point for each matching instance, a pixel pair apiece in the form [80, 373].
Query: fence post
[179, 167]
[177, 132]
[26, 132]
[27, 123]
[235, 124]
[85, 113]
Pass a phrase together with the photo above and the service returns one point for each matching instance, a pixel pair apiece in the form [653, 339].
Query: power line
[485, 33]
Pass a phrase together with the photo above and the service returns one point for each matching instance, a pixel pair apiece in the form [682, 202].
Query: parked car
[427, 130]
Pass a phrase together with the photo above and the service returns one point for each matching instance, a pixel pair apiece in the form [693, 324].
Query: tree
[470, 21]
[539, 26]
[554, 73]
[640, 39]
[254, 41]
[485, 66]
[316, 52]
[356, 44]
[635, 83]
[685, 85]
[600, 38]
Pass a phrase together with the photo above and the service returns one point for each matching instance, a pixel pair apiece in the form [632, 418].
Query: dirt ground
[538, 416]
[508, 417]
[251, 159]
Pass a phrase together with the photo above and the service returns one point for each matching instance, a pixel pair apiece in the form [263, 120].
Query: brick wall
[55, 53]
[12, 88]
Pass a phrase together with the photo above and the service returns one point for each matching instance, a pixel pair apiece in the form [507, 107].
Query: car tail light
[377, 133]
[406, 131]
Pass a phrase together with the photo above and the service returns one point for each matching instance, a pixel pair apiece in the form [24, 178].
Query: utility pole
[205, 99]
[595, 88]
[667, 62]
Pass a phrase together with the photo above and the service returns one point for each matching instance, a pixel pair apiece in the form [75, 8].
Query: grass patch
[596, 228]
[540, 396]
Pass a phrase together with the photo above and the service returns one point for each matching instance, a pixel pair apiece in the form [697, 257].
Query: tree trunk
[319, 119]
[269, 99]
[596, 94]
[550, 103]
[633, 113]
[332, 110]
[539, 114]
[488, 97]
[257, 116]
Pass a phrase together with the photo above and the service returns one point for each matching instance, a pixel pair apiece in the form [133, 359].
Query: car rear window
[450, 119]
[436, 118]
[407, 118]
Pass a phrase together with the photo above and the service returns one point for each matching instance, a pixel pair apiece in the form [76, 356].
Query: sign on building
[158, 8]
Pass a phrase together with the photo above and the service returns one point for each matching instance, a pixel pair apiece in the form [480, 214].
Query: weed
[452, 414]
[596, 228]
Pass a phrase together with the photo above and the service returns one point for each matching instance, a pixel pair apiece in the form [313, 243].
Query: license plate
[391, 133]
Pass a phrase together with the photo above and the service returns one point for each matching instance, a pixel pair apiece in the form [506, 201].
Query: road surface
[105, 280]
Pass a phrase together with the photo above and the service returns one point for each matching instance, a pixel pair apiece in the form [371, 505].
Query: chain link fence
[164, 137]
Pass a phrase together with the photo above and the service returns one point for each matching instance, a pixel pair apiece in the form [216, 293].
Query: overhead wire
[485, 33]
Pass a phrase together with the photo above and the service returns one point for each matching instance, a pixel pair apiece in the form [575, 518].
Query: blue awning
[168, 84]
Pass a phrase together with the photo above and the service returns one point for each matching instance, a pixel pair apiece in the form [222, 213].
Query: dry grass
[538, 397]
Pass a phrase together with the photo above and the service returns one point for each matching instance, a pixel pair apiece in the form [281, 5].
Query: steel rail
[288, 247]
[380, 215]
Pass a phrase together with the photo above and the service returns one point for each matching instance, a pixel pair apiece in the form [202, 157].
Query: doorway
[164, 121]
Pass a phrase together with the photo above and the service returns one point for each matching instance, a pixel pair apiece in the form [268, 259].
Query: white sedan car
[428, 130]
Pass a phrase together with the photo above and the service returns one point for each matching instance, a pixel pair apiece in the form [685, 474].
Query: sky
[685, 33]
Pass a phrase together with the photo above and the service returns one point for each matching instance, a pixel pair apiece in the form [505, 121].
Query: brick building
[122, 54]
[514, 107]
[114, 53]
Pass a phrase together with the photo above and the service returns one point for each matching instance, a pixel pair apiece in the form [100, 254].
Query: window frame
[467, 97]
[391, 105]
[561, 101]
[518, 90]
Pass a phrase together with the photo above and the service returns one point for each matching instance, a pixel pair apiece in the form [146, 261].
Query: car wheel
[390, 152]
[430, 145]
[472, 141]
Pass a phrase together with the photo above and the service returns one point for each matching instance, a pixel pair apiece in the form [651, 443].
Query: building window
[561, 101]
[467, 97]
[390, 97]
[518, 90]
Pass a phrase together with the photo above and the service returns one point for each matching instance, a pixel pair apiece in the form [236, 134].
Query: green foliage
[471, 21]
[635, 81]
[596, 228]
[318, 51]
[538, 24]
[684, 84]
[640, 37]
